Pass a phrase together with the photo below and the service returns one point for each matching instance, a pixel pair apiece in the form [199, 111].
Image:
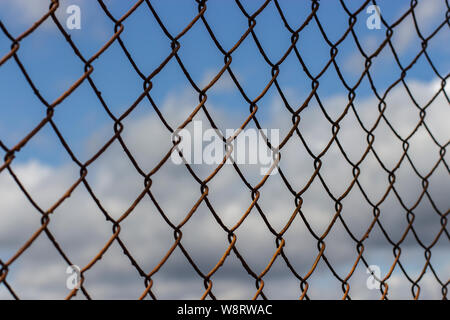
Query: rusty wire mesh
[254, 190]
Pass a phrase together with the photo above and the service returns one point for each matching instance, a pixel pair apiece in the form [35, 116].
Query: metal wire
[254, 190]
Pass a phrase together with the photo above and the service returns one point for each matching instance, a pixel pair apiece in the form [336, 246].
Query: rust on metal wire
[232, 249]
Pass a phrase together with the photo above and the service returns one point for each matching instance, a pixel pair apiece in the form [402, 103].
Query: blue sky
[47, 171]
[53, 66]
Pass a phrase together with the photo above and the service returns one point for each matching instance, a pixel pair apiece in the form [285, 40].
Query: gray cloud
[82, 231]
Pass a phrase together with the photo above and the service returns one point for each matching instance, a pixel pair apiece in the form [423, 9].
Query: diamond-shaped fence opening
[358, 199]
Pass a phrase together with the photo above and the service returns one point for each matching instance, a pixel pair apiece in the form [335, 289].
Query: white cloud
[429, 14]
[27, 12]
[426, 13]
[81, 229]
[223, 84]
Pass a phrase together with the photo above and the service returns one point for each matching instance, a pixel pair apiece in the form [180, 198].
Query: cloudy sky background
[46, 170]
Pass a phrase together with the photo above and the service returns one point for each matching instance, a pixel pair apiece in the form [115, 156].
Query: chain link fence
[7, 263]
